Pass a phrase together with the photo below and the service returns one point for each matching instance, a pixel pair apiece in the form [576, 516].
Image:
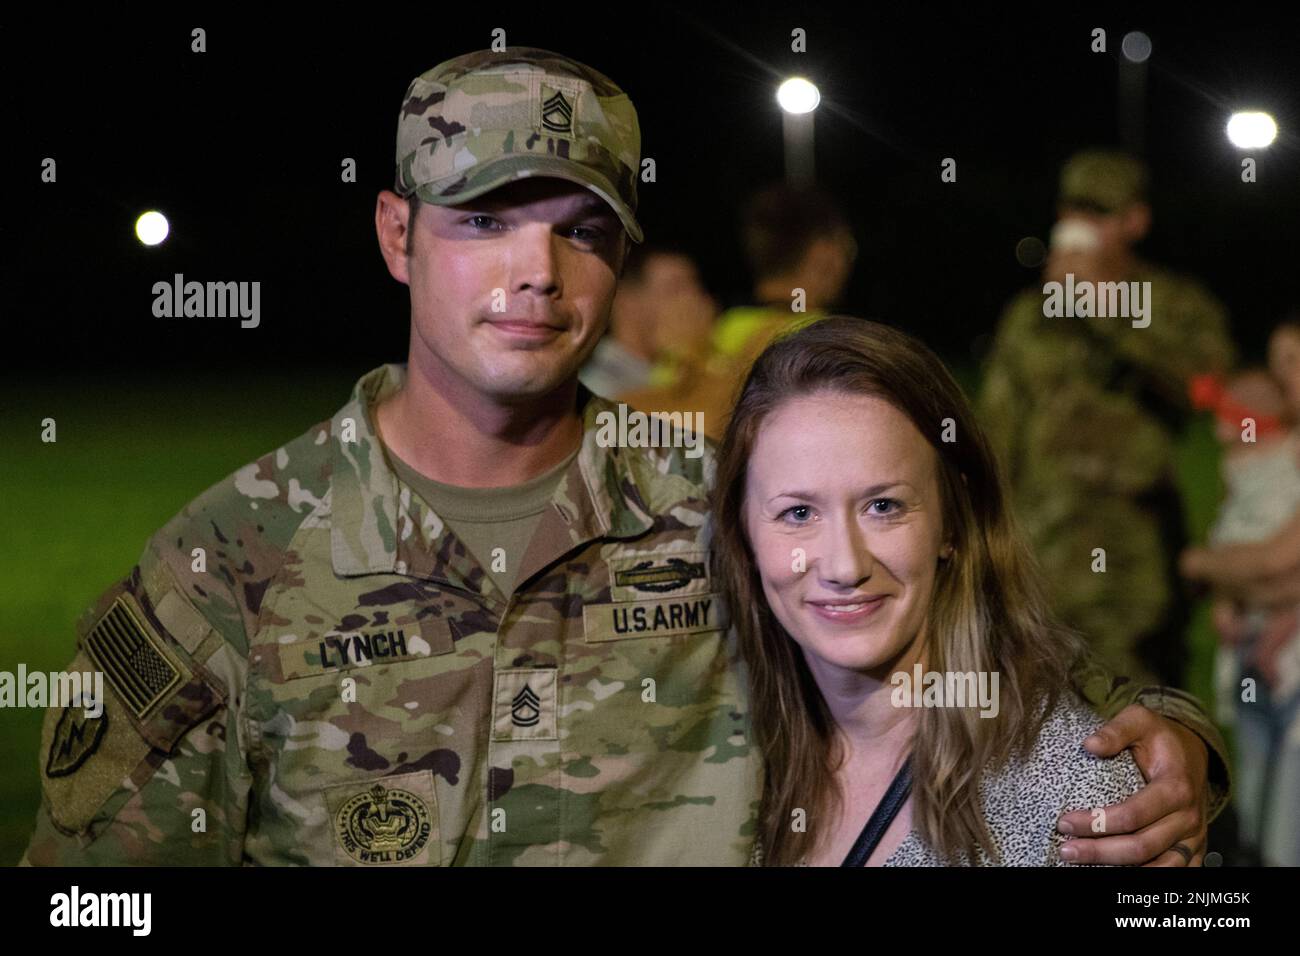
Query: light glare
[1251, 130]
[797, 95]
[151, 228]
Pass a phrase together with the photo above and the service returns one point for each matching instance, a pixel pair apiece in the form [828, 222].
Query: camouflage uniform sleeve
[1188, 334]
[1109, 694]
[1001, 400]
[1214, 348]
[160, 777]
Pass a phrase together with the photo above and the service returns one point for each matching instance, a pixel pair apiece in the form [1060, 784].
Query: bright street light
[1251, 130]
[797, 95]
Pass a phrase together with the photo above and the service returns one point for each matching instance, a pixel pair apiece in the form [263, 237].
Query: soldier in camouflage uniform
[1086, 412]
[312, 665]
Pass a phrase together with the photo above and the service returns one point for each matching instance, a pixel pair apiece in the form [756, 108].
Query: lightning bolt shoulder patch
[100, 752]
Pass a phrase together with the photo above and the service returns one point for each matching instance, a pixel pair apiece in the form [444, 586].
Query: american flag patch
[124, 649]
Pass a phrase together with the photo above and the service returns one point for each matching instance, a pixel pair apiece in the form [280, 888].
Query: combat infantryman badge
[669, 576]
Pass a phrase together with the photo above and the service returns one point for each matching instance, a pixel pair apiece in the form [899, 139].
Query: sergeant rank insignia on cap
[557, 114]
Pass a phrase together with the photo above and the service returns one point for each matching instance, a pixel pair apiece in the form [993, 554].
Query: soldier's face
[511, 291]
[1114, 233]
[845, 488]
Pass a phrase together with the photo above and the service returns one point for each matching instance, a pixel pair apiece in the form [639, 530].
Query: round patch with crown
[383, 825]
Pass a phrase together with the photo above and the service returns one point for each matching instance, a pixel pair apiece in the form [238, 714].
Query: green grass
[1201, 482]
[76, 513]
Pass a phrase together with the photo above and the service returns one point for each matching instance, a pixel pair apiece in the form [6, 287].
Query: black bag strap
[882, 816]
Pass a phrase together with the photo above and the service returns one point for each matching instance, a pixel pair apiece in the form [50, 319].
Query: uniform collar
[378, 525]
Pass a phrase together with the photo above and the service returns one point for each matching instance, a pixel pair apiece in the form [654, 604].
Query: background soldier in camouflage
[447, 626]
[1086, 413]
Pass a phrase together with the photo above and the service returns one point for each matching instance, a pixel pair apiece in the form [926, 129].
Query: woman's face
[848, 482]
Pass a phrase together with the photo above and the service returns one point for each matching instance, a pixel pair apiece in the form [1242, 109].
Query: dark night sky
[241, 148]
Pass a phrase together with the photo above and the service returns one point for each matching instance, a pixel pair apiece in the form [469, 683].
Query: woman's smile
[839, 611]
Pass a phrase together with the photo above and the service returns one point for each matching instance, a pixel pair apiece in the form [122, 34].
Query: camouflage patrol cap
[484, 119]
[1107, 180]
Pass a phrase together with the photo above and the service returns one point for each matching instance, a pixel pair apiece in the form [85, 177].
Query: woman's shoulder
[1055, 776]
[1023, 799]
[1058, 762]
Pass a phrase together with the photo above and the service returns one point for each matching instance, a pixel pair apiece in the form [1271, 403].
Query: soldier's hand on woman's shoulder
[1172, 809]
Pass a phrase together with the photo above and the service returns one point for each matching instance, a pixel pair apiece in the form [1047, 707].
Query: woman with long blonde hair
[909, 691]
